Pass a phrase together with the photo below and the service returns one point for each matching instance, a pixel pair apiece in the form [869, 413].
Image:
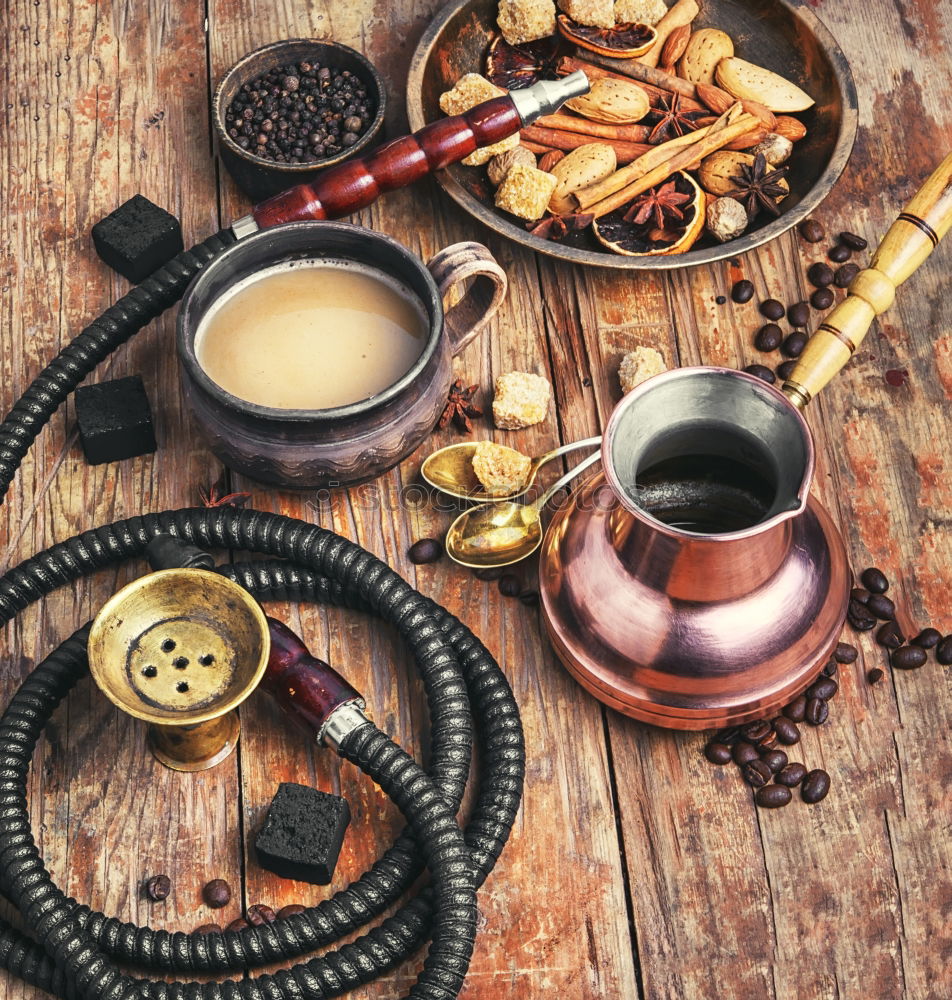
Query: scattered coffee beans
[825, 688]
[845, 275]
[730, 735]
[791, 775]
[744, 753]
[773, 796]
[785, 370]
[768, 741]
[853, 241]
[928, 638]
[768, 337]
[217, 893]
[845, 653]
[839, 254]
[510, 585]
[158, 887]
[260, 913]
[762, 372]
[858, 616]
[831, 668]
[426, 550]
[859, 594]
[757, 773]
[874, 580]
[815, 786]
[793, 346]
[776, 760]
[300, 113]
[490, 573]
[237, 925]
[890, 635]
[908, 657]
[881, 606]
[874, 676]
[718, 753]
[772, 309]
[796, 710]
[289, 911]
[943, 652]
[755, 731]
[721, 299]
[817, 711]
[799, 314]
[530, 598]
[821, 299]
[812, 231]
[820, 274]
[743, 291]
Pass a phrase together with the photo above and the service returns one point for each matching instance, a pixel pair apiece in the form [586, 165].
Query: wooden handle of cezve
[911, 238]
[352, 185]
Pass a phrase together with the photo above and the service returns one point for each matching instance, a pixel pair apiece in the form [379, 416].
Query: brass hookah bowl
[695, 582]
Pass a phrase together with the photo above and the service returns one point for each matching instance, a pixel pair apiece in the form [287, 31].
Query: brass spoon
[450, 470]
[502, 533]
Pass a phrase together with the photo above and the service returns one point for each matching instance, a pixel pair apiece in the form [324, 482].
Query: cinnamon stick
[594, 70]
[584, 126]
[535, 147]
[557, 139]
[680, 14]
[650, 75]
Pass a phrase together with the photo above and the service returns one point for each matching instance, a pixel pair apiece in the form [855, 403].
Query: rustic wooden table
[636, 869]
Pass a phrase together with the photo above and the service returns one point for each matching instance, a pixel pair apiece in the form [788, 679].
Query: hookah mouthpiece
[547, 96]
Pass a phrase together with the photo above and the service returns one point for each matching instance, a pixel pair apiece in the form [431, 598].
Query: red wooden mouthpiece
[301, 684]
[349, 186]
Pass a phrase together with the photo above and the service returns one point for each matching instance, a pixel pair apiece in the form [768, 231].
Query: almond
[583, 166]
[748, 81]
[718, 169]
[612, 101]
[704, 50]
[749, 140]
[756, 109]
[714, 98]
[674, 46]
[548, 160]
[790, 128]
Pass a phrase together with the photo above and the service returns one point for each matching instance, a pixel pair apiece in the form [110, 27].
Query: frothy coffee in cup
[312, 334]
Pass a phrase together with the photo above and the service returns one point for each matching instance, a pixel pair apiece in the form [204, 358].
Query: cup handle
[483, 297]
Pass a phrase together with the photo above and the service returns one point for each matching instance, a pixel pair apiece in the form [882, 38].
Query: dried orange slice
[513, 67]
[624, 41]
[666, 219]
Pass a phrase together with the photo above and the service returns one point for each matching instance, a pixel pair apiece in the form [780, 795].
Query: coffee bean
[754, 731]
[815, 786]
[721, 299]
[744, 753]
[768, 337]
[426, 550]
[757, 773]
[786, 729]
[217, 893]
[859, 594]
[817, 711]
[859, 617]
[874, 580]
[908, 657]
[791, 775]
[530, 598]
[717, 753]
[831, 668]
[158, 887]
[811, 230]
[890, 635]
[943, 652]
[793, 346]
[762, 372]
[237, 925]
[799, 314]
[490, 573]
[820, 274]
[510, 585]
[845, 653]
[289, 911]
[772, 309]
[874, 676]
[773, 796]
[260, 913]
[881, 606]
[796, 710]
[729, 736]
[743, 291]
[928, 638]
[822, 299]
[208, 929]
[774, 759]
[839, 253]
[853, 241]
[845, 275]
[824, 688]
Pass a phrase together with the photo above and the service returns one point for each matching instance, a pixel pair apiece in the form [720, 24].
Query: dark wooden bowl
[782, 35]
[258, 177]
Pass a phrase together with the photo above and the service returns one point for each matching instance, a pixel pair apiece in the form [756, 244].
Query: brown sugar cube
[600, 13]
[525, 192]
[502, 471]
[640, 11]
[521, 400]
[470, 90]
[526, 20]
[639, 365]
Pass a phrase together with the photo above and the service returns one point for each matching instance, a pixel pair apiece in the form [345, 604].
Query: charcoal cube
[115, 420]
[302, 834]
[137, 238]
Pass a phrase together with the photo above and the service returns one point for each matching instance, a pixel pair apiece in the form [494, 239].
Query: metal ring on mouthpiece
[547, 96]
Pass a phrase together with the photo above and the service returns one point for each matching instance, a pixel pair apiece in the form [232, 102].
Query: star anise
[460, 407]
[758, 187]
[657, 203]
[670, 120]
[215, 498]
[554, 227]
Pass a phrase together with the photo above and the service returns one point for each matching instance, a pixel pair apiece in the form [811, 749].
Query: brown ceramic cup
[342, 445]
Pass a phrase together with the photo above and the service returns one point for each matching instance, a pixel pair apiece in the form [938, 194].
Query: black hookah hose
[79, 948]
